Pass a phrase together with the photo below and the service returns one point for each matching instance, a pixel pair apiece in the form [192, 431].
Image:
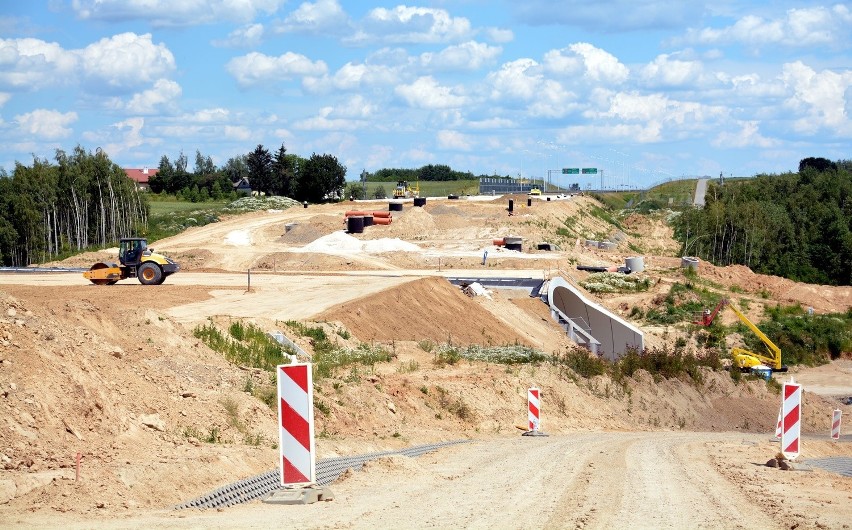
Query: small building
[140, 176]
[243, 186]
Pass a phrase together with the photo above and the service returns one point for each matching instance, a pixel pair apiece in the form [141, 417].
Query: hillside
[116, 374]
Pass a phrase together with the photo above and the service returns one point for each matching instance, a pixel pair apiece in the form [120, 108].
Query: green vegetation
[805, 339]
[511, 354]
[661, 363]
[329, 357]
[795, 225]
[245, 345]
[427, 189]
[615, 282]
[683, 303]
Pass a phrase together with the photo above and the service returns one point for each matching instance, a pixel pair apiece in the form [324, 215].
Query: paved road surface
[700, 191]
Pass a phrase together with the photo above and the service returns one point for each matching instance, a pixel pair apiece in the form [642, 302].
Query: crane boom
[741, 356]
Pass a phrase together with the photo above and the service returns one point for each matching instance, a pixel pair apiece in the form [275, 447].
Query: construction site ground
[115, 374]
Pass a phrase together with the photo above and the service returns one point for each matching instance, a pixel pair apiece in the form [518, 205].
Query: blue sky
[644, 90]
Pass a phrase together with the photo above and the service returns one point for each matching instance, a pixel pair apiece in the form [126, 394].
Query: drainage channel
[836, 464]
[328, 469]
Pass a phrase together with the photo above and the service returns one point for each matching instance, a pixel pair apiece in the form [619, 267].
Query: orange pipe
[382, 214]
[382, 220]
[350, 213]
[499, 242]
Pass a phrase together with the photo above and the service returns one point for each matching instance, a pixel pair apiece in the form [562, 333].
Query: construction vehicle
[404, 191]
[534, 191]
[136, 261]
[744, 359]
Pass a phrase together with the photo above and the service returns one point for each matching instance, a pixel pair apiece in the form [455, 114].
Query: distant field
[680, 191]
[159, 208]
[430, 188]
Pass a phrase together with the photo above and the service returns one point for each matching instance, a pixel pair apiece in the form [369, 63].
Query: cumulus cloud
[174, 12]
[748, 135]
[256, 68]
[818, 97]
[4, 98]
[596, 64]
[31, 64]
[668, 70]
[500, 35]
[469, 55]
[322, 16]
[247, 36]
[805, 27]
[160, 97]
[326, 122]
[129, 135]
[46, 124]
[417, 25]
[517, 79]
[125, 61]
[454, 141]
[426, 93]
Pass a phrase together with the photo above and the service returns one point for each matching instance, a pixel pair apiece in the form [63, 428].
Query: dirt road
[582, 480]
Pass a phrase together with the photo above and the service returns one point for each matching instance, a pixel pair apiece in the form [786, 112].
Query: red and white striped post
[534, 408]
[296, 422]
[835, 424]
[778, 425]
[791, 412]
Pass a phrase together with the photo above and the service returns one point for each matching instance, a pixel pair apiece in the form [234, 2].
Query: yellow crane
[744, 359]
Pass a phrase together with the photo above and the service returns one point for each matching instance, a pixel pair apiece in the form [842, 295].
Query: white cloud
[215, 115]
[126, 61]
[668, 71]
[4, 98]
[500, 35]
[46, 124]
[256, 68]
[600, 65]
[175, 12]
[454, 141]
[404, 24]
[811, 26]
[426, 93]
[620, 132]
[322, 16]
[470, 55]
[819, 97]
[237, 132]
[247, 36]
[30, 64]
[160, 97]
[492, 123]
[130, 136]
[519, 79]
[324, 122]
[748, 135]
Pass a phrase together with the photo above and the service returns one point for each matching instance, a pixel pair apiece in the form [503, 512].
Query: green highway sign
[590, 171]
[570, 170]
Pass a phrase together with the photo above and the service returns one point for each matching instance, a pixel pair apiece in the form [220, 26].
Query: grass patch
[245, 345]
[615, 282]
[510, 354]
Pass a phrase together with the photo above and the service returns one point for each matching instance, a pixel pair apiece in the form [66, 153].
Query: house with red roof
[140, 176]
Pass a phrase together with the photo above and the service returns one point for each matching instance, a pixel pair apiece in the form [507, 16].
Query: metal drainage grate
[328, 469]
[836, 464]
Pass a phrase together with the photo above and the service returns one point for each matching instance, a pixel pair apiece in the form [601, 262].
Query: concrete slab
[299, 496]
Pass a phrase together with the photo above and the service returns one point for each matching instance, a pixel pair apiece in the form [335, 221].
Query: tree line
[81, 200]
[315, 179]
[795, 225]
[430, 172]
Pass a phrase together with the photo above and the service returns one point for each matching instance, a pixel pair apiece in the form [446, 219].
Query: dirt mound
[429, 308]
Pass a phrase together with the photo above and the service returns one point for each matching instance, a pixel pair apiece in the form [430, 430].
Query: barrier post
[835, 424]
[778, 425]
[534, 412]
[791, 411]
[296, 448]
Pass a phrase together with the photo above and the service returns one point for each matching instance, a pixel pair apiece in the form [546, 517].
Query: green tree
[322, 178]
[259, 164]
[283, 174]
